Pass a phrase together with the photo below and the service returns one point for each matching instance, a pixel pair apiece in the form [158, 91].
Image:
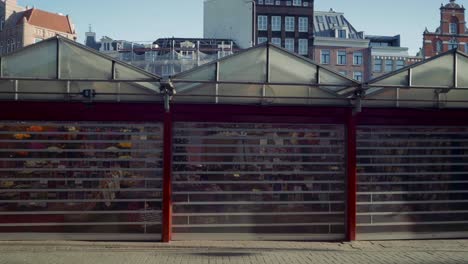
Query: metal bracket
[356, 100]
[168, 91]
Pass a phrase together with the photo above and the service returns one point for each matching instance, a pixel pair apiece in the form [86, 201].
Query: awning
[61, 69]
[439, 82]
[265, 74]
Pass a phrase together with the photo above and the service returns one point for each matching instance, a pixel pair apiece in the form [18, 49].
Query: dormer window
[342, 33]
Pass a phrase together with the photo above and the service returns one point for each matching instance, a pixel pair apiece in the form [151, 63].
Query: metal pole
[167, 179]
[352, 176]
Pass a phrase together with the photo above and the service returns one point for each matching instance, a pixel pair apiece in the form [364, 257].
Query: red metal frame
[259, 114]
[167, 179]
[63, 111]
[352, 176]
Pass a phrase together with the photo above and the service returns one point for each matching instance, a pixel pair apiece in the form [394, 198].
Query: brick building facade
[23, 26]
[288, 24]
[452, 32]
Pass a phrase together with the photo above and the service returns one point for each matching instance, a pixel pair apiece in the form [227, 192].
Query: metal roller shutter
[258, 181]
[412, 182]
[80, 180]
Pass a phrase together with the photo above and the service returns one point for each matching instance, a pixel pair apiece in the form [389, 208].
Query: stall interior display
[234, 179]
[80, 177]
[412, 181]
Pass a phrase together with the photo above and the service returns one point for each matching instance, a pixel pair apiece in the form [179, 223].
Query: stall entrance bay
[258, 181]
[80, 180]
[412, 182]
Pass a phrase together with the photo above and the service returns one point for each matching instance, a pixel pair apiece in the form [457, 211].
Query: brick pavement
[401, 252]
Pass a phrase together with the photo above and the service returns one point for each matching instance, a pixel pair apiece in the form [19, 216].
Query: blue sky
[147, 20]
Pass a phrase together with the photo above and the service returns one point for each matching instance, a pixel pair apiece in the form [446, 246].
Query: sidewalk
[401, 252]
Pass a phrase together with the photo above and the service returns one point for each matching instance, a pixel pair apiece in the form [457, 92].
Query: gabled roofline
[58, 38]
[268, 45]
[390, 74]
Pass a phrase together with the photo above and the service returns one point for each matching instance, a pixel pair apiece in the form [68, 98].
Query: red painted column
[167, 179]
[352, 175]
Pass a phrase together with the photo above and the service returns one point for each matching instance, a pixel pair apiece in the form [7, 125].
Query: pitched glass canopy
[265, 74]
[439, 82]
[61, 69]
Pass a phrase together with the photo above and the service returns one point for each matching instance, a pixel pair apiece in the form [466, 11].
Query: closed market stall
[75, 163]
[412, 151]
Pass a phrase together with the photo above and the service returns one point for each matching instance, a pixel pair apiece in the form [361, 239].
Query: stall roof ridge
[412, 66]
[267, 45]
[57, 39]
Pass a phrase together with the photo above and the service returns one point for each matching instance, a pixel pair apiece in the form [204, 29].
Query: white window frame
[340, 55]
[380, 64]
[261, 40]
[303, 47]
[303, 24]
[276, 42]
[289, 24]
[357, 75]
[262, 23]
[297, 3]
[358, 58]
[276, 23]
[289, 44]
[322, 61]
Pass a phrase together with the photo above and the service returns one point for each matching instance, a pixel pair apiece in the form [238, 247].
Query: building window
[453, 44]
[261, 40]
[453, 28]
[262, 23]
[341, 58]
[388, 65]
[289, 24]
[320, 19]
[269, 2]
[288, 3]
[325, 57]
[332, 20]
[277, 2]
[276, 41]
[297, 2]
[377, 65]
[439, 46]
[357, 58]
[2, 23]
[276, 23]
[289, 44]
[357, 76]
[400, 64]
[303, 47]
[303, 24]
[342, 33]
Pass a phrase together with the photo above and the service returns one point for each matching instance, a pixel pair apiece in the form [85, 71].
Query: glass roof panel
[437, 72]
[329, 77]
[79, 63]
[38, 61]
[462, 75]
[288, 68]
[248, 66]
[399, 79]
